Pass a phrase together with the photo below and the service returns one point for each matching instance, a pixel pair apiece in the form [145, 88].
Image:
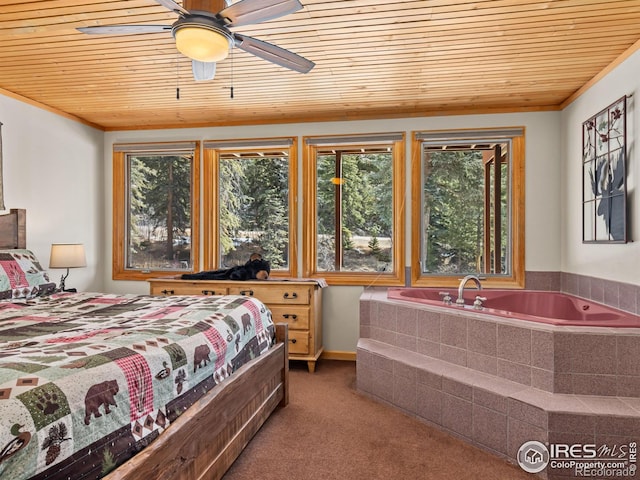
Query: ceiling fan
[204, 36]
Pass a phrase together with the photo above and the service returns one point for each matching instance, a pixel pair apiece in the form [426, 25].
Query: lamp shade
[67, 255]
[202, 42]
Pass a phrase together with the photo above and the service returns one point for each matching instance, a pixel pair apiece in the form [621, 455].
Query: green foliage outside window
[355, 191]
[254, 210]
[159, 234]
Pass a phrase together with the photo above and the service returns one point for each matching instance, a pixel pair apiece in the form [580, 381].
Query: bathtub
[552, 308]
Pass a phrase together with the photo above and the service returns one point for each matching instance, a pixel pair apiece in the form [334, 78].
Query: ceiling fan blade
[273, 53]
[203, 71]
[125, 29]
[248, 12]
[173, 6]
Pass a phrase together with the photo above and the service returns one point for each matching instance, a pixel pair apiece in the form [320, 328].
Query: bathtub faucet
[463, 282]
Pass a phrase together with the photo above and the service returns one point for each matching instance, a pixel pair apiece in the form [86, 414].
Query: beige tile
[482, 363]
[429, 404]
[387, 317]
[457, 356]
[593, 354]
[428, 325]
[489, 428]
[618, 425]
[365, 312]
[407, 321]
[542, 349]
[514, 344]
[384, 335]
[520, 410]
[606, 406]
[457, 415]
[405, 393]
[590, 384]
[542, 379]
[628, 355]
[572, 423]
[563, 383]
[482, 337]
[460, 389]
[562, 342]
[429, 348]
[519, 432]
[406, 342]
[515, 372]
[453, 331]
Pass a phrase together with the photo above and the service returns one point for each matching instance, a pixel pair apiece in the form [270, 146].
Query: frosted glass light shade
[67, 255]
[201, 43]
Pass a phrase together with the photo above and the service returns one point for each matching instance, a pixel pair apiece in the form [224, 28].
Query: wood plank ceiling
[374, 59]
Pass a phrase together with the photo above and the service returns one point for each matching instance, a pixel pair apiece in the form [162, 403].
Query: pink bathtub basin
[537, 306]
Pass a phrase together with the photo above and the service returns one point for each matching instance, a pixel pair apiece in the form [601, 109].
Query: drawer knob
[293, 340]
[167, 292]
[290, 315]
[288, 295]
[208, 292]
[247, 292]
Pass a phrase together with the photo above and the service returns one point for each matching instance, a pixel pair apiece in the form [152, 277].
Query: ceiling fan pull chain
[177, 77]
[231, 74]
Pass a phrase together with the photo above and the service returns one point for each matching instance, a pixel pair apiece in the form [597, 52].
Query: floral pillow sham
[22, 276]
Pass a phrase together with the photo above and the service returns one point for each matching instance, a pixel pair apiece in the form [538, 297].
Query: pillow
[22, 276]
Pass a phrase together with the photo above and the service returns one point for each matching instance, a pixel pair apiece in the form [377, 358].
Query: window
[354, 209]
[250, 194]
[469, 218]
[155, 212]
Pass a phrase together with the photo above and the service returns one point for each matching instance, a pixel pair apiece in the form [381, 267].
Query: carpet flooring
[330, 431]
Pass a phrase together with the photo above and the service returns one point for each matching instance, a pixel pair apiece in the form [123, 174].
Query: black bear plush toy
[256, 268]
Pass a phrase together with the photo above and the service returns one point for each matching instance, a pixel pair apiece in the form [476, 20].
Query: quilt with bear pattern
[89, 379]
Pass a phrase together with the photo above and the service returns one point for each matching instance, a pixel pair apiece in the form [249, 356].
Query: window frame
[211, 191]
[516, 278]
[120, 207]
[311, 145]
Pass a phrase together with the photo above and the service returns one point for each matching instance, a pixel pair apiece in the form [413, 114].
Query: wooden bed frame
[205, 440]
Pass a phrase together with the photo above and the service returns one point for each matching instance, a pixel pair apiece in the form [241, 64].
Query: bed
[128, 387]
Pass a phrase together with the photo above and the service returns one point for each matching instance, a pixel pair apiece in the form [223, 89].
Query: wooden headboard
[13, 229]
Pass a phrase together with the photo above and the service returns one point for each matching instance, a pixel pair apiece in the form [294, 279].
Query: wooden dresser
[295, 302]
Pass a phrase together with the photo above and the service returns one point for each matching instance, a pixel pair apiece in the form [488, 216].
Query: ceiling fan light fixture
[204, 43]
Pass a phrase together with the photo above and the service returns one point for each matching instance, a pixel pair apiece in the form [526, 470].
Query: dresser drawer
[187, 288]
[298, 342]
[296, 317]
[273, 294]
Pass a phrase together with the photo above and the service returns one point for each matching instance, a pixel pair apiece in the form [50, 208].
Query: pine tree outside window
[250, 194]
[469, 211]
[155, 212]
[354, 209]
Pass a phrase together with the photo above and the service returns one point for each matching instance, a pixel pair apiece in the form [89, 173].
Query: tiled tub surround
[553, 308]
[498, 382]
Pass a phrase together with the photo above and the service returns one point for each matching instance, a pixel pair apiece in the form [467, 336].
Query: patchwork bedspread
[87, 379]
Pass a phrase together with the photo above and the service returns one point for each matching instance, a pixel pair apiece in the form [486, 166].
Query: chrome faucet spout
[463, 282]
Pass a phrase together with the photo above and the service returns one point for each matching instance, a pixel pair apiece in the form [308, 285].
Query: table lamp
[67, 255]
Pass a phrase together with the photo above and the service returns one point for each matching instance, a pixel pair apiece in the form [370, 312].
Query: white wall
[53, 167]
[619, 262]
[341, 322]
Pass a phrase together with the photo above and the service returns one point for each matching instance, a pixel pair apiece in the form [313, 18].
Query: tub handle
[478, 302]
[446, 298]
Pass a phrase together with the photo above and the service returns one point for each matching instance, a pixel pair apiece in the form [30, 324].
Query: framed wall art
[604, 174]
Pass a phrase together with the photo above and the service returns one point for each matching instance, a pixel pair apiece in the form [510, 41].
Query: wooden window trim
[211, 192]
[120, 187]
[309, 226]
[517, 223]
